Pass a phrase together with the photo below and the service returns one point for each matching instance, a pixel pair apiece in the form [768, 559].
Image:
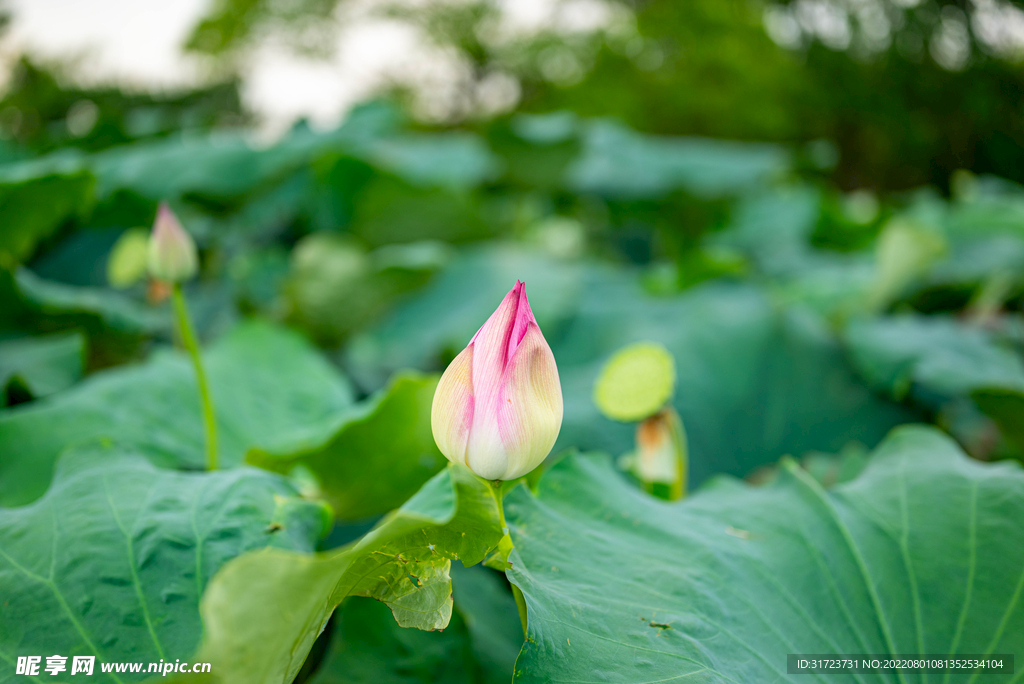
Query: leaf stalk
[188, 338]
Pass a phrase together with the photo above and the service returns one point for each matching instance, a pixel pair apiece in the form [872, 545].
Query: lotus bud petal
[498, 406]
[172, 254]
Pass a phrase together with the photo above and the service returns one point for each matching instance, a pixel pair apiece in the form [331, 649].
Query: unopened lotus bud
[172, 254]
[498, 405]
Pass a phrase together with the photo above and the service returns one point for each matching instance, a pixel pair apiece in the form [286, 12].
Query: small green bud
[904, 253]
[172, 254]
[127, 262]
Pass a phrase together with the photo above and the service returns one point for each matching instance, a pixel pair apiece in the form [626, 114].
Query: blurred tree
[910, 90]
[42, 111]
[899, 119]
[232, 25]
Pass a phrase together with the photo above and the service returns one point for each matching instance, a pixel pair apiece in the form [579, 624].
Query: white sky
[134, 40]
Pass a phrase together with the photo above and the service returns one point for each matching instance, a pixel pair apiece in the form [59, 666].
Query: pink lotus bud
[498, 406]
[172, 254]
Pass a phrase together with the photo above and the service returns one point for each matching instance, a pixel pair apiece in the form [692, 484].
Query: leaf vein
[131, 565]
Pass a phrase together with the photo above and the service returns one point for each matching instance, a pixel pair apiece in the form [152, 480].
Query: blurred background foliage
[815, 206]
[908, 90]
[836, 159]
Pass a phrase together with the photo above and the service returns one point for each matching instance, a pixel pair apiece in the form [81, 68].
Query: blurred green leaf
[42, 365]
[546, 129]
[480, 644]
[941, 355]
[983, 234]
[218, 165]
[391, 210]
[116, 310]
[483, 599]
[773, 229]
[112, 560]
[403, 562]
[336, 287]
[920, 554]
[621, 163]
[368, 646]
[444, 315]
[904, 252]
[378, 454]
[997, 209]
[35, 207]
[457, 159]
[936, 359]
[270, 389]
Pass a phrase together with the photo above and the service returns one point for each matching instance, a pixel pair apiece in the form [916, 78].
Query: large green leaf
[378, 454]
[112, 560]
[42, 365]
[264, 610]
[923, 553]
[270, 388]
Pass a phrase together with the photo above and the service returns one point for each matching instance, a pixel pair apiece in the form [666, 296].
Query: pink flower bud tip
[172, 253]
[498, 406]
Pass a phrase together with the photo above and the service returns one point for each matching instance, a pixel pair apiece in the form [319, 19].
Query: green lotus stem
[678, 432]
[517, 593]
[499, 496]
[188, 337]
[499, 500]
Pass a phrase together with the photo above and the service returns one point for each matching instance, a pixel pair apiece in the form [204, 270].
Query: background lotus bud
[172, 254]
[498, 406]
[661, 453]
